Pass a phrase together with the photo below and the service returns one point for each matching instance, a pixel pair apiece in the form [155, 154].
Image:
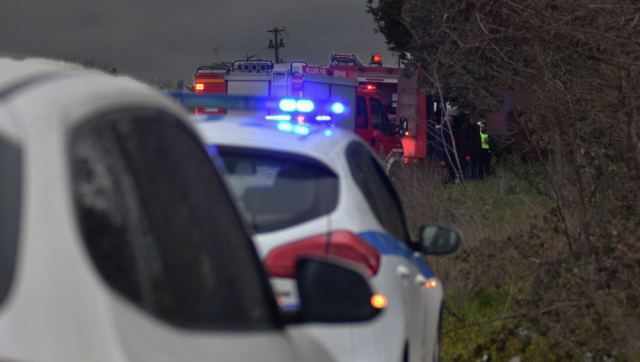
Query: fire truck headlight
[288, 105]
[337, 108]
[305, 106]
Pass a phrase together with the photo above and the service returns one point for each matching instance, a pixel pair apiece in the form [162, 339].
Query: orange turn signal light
[379, 301]
[199, 87]
[431, 283]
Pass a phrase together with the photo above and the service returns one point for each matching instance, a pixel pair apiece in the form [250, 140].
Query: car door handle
[403, 271]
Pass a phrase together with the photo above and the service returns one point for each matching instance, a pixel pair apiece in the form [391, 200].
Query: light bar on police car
[285, 126]
[288, 105]
[338, 108]
[278, 117]
[293, 105]
[323, 118]
[305, 106]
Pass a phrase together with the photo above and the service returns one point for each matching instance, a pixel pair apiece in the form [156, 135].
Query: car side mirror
[333, 292]
[439, 240]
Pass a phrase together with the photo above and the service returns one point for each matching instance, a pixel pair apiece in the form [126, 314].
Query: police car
[119, 240]
[318, 190]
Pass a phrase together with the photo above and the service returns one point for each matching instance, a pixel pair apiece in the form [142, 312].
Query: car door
[162, 233]
[363, 122]
[384, 130]
[386, 206]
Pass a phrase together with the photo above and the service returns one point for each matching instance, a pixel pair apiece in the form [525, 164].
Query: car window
[10, 190]
[361, 113]
[376, 113]
[379, 116]
[377, 190]
[276, 190]
[160, 227]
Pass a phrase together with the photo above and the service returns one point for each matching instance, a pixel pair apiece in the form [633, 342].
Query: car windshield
[277, 190]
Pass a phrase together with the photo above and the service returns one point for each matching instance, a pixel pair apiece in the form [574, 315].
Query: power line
[276, 43]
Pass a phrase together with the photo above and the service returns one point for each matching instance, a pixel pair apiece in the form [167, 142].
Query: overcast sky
[158, 39]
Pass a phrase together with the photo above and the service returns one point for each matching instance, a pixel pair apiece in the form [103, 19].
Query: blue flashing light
[323, 118]
[338, 108]
[278, 117]
[285, 126]
[305, 106]
[288, 105]
[301, 130]
[328, 133]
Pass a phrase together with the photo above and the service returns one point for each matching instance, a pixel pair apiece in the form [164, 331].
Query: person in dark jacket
[472, 148]
[445, 148]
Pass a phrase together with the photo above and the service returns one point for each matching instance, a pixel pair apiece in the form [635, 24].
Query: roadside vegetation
[509, 289]
[551, 265]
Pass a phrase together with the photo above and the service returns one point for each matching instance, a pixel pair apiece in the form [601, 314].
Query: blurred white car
[119, 241]
[309, 190]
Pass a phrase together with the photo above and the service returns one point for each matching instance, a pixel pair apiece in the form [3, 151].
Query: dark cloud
[160, 39]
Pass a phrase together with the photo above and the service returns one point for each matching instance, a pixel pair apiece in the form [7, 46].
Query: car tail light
[340, 245]
[379, 301]
[199, 87]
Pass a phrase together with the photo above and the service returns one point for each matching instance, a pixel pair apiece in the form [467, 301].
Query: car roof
[253, 132]
[71, 89]
[14, 72]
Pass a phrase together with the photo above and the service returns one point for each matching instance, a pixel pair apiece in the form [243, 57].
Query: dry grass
[514, 288]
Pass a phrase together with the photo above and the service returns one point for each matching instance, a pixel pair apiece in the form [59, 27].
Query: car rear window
[11, 169]
[276, 190]
[160, 226]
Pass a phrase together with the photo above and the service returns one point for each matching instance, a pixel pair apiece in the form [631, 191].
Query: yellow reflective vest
[485, 140]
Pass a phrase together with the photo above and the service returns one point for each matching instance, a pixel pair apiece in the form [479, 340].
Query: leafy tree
[578, 65]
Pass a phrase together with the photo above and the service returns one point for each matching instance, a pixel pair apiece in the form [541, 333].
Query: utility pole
[277, 42]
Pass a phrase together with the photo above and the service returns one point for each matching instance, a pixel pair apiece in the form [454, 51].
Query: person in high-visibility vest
[485, 160]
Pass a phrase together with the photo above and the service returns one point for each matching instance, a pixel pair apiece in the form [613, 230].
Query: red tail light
[199, 87]
[341, 245]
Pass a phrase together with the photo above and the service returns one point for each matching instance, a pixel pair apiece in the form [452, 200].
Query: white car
[119, 240]
[309, 190]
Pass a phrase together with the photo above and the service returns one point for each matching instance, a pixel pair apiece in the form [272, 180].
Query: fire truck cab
[209, 79]
[373, 124]
[403, 103]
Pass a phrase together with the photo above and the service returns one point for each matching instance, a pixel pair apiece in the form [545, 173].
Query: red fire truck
[209, 79]
[400, 97]
[386, 108]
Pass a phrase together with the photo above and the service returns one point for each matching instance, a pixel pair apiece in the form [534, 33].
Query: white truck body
[295, 80]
